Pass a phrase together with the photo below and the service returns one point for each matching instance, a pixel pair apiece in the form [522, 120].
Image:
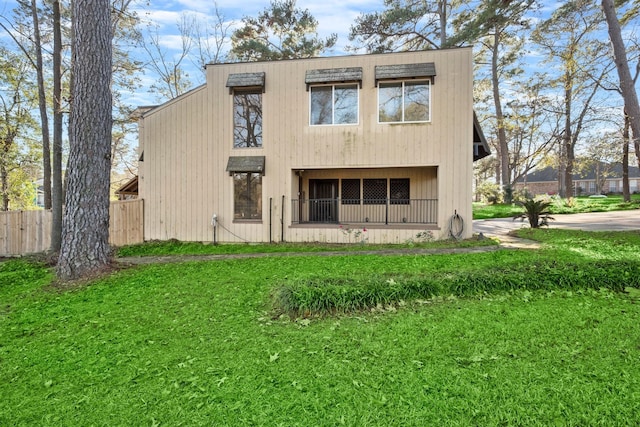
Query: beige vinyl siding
[187, 143]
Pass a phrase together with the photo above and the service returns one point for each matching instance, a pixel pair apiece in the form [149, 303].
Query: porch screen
[374, 191]
[399, 191]
[350, 192]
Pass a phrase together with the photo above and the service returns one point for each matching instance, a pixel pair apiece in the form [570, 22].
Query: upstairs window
[247, 118]
[334, 105]
[404, 101]
[334, 95]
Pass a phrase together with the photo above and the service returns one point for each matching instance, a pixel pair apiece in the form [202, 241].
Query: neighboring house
[128, 190]
[39, 192]
[312, 149]
[599, 179]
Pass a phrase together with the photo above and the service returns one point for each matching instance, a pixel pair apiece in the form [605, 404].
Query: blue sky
[334, 16]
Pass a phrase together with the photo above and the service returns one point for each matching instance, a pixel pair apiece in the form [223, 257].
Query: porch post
[386, 212]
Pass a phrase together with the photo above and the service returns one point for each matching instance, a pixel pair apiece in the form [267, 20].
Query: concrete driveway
[596, 221]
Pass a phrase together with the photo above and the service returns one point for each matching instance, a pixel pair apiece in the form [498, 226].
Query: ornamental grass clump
[319, 295]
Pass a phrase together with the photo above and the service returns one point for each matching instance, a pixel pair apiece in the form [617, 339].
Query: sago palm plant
[536, 211]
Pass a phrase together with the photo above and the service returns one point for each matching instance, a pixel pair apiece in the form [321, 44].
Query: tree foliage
[18, 156]
[42, 31]
[627, 82]
[281, 31]
[172, 79]
[569, 39]
[405, 25]
[497, 27]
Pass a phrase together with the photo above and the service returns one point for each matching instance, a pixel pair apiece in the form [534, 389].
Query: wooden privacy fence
[126, 222]
[27, 232]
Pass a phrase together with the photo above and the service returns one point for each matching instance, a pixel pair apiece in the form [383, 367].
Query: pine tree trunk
[632, 107]
[569, 155]
[626, 191]
[56, 190]
[505, 170]
[4, 187]
[42, 103]
[85, 229]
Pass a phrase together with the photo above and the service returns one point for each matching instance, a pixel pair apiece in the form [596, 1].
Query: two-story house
[304, 150]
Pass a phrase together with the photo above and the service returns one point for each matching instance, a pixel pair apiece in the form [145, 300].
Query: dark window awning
[245, 164]
[405, 71]
[333, 75]
[245, 80]
[480, 146]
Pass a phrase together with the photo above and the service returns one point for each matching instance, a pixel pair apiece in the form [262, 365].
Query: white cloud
[162, 18]
[171, 41]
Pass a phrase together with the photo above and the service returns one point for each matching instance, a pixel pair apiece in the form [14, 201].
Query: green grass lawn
[174, 247]
[582, 204]
[200, 344]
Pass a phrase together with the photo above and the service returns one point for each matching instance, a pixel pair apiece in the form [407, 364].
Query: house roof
[480, 146]
[140, 111]
[550, 174]
[130, 187]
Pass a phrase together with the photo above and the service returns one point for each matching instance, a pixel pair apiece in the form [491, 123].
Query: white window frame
[403, 81]
[333, 110]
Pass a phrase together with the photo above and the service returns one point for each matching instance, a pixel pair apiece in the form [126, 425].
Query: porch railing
[362, 211]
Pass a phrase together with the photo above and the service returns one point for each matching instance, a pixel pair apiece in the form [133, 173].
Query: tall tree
[281, 31]
[56, 187]
[569, 39]
[496, 25]
[16, 123]
[627, 83]
[125, 80]
[85, 244]
[42, 98]
[211, 38]
[173, 80]
[405, 25]
[626, 191]
[531, 129]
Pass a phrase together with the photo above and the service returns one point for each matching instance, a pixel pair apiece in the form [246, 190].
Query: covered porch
[382, 196]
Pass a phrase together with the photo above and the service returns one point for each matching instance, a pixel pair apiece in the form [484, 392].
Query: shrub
[508, 194]
[489, 193]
